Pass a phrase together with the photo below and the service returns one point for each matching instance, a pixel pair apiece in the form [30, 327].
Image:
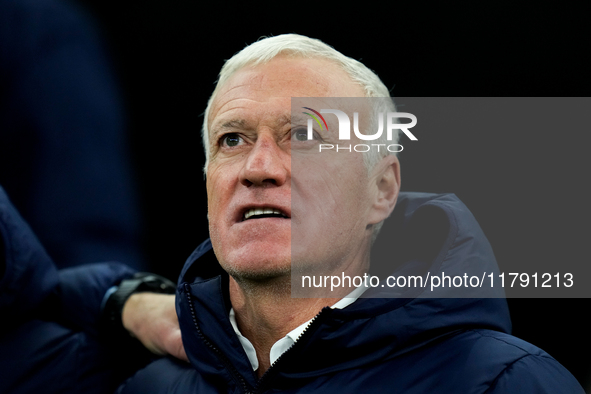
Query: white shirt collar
[286, 342]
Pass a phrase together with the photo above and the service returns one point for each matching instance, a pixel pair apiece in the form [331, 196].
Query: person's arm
[42, 351]
[31, 285]
[143, 307]
[29, 276]
[2, 258]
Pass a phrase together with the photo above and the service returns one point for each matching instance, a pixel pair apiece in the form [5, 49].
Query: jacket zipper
[229, 366]
[260, 384]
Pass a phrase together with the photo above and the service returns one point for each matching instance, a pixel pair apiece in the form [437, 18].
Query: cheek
[333, 179]
[330, 198]
[215, 209]
[217, 190]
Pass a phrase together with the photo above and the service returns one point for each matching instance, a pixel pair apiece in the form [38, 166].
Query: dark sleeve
[2, 258]
[49, 338]
[29, 276]
[534, 374]
[47, 357]
[82, 289]
[32, 285]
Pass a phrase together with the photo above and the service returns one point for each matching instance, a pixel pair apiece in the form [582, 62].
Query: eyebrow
[243, 124]
[283, 120]
[298, 118]
[233, 124]
[230, 125]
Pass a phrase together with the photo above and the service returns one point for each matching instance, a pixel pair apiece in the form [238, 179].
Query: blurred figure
[63, 155]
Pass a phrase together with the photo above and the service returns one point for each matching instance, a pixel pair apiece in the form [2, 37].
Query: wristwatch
[111, 316]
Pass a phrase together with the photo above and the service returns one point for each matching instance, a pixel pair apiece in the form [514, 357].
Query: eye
[231, 140]
[300, 134]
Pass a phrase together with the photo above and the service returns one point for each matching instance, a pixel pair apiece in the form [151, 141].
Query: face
[260, 216]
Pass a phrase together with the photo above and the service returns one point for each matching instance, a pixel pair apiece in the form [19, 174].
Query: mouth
[263, 212]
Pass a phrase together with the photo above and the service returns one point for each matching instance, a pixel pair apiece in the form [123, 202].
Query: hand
[152, 319]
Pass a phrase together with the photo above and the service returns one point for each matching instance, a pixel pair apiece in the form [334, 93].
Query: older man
[279, 207]
[242, 329]
[249, 168]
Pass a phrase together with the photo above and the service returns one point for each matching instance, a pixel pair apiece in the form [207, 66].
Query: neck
[264, 316]
[266, 310]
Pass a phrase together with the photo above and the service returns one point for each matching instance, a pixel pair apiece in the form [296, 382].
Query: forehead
[282, 78]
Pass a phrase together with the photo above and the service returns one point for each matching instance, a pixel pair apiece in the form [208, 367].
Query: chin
[254, 267]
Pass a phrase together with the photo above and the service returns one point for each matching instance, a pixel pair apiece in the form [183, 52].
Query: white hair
[296, 45]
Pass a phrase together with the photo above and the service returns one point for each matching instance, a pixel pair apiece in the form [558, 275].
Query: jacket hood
[427, 235]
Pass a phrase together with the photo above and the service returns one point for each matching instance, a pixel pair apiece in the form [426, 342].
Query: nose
[266, 164]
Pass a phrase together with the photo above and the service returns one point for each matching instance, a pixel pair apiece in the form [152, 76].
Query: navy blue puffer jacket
[413, 343]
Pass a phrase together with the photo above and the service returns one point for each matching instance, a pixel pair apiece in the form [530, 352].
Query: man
[242, 329]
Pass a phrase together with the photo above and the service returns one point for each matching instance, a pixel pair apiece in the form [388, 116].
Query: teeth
[262, 211]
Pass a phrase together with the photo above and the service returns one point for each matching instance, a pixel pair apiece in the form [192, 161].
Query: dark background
[528, 190]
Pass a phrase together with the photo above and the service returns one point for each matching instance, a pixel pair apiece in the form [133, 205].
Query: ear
[385, 178]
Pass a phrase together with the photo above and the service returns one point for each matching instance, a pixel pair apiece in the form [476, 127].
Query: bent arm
[31, 286]
[29, 276]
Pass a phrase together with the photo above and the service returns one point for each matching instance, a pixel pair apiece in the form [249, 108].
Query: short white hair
[297, 45]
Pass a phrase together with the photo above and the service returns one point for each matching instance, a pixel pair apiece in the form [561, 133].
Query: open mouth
[260, 213]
